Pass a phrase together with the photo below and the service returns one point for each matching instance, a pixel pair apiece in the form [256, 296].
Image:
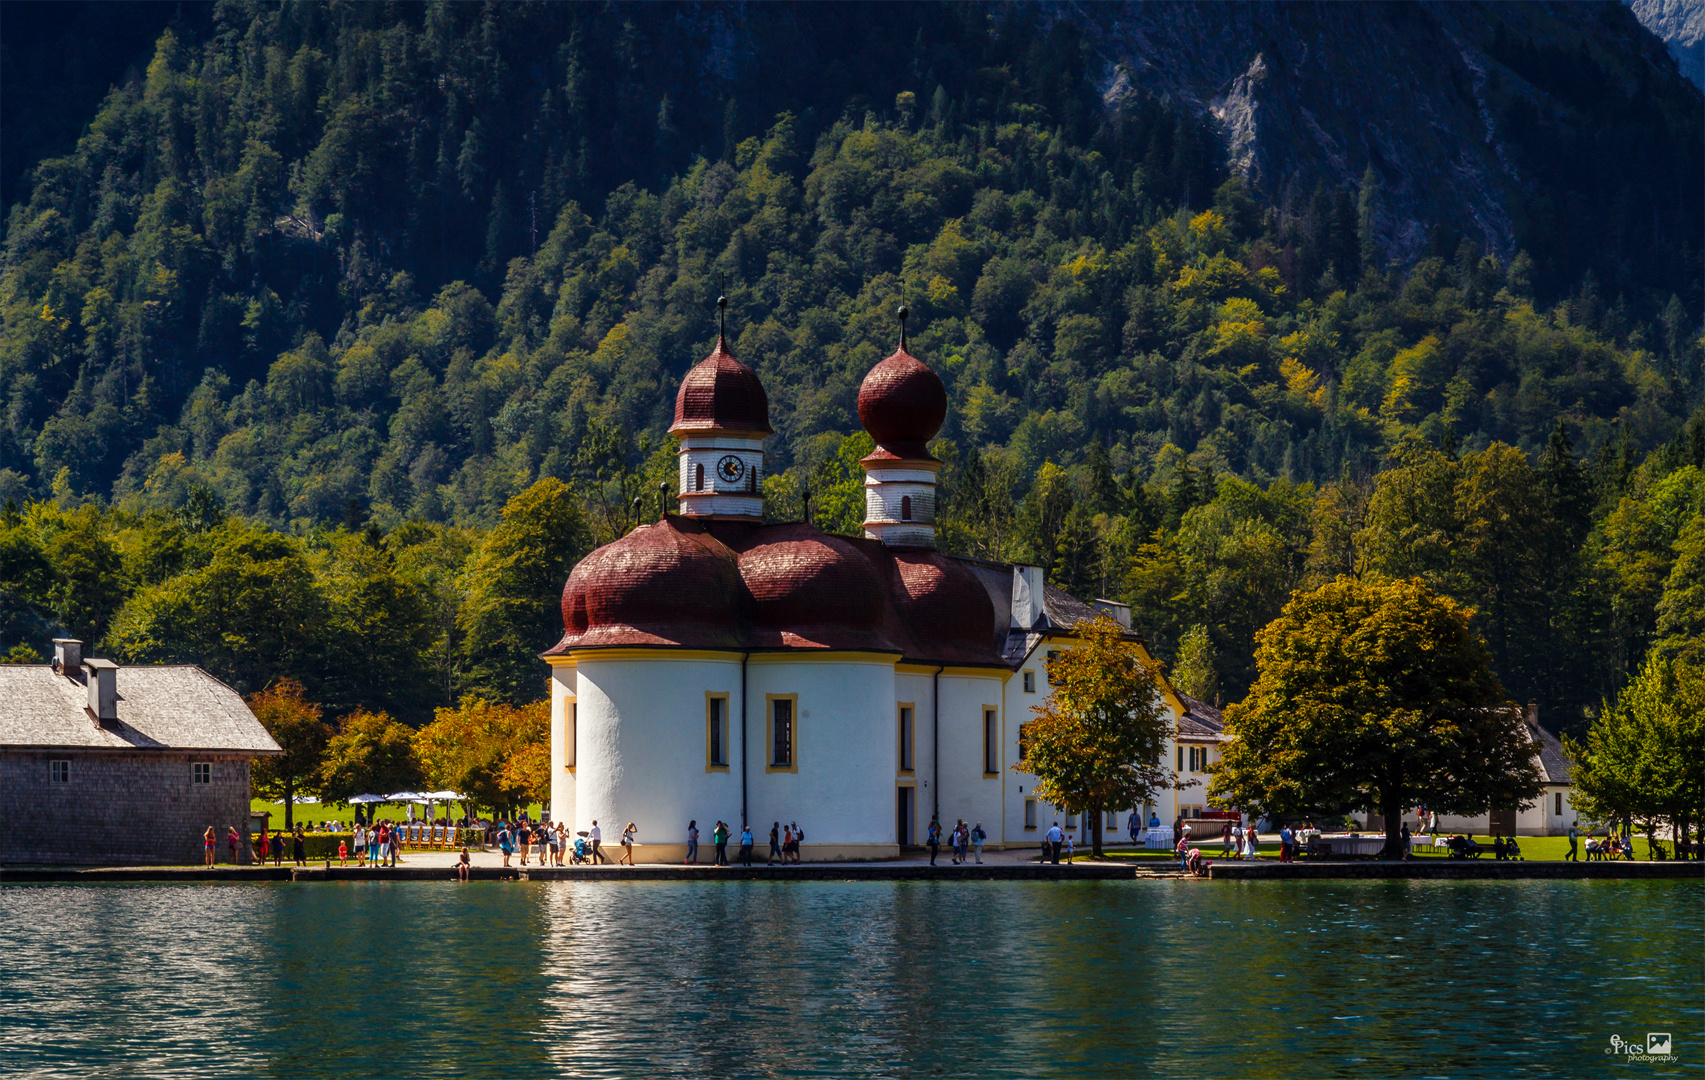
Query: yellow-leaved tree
[495, 753]
[1099, 740]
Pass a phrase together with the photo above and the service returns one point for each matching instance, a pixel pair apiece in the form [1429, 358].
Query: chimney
[1113, 609]
[103, 690]
[1027, 598]
[68, 656]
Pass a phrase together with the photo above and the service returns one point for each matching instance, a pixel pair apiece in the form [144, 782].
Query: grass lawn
[314, 813]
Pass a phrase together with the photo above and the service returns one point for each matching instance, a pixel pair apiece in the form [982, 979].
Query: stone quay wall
[120, 808]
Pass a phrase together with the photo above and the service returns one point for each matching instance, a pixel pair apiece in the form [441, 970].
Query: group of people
[964, 841]
[210, 841]
[784, 843]
[551, 844]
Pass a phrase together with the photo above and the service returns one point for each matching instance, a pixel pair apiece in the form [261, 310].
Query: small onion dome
[902, 404]
[721, 394]
[946, 611]
[812, 590]
[666, 584]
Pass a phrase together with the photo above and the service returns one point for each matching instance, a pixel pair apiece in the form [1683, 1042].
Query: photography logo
[1658, 1046]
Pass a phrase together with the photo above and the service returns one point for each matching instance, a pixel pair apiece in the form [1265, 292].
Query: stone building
[102, 764]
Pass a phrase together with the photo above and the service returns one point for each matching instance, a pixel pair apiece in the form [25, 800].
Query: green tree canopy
[1374, 694]
[1644, 757]
[1099, 740]
[370, 753]
[514, 581]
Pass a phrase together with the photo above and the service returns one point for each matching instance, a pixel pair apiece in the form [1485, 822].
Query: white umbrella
[363, 800]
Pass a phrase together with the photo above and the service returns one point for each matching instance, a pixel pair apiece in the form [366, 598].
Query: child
[342, 853]
[1071, 847]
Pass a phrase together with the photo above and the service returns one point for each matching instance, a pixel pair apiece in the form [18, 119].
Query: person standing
[1183, 852]
[627, 844]
[798, 840]
[299, 847]
[209, 844]
[977, 838]
[232, 840]
[1408, 838]
[1133, 825]
[278, 849]
[692, 843]
[1071, 848]
[1055, 837]
[524, 840]
[745, 845]
[1252, 837]
[1225, 841]
[934, 839]
[1574, 838]
[775, 842]
[1285, 841]
[719, 838]
[504, 841]
[597, 843]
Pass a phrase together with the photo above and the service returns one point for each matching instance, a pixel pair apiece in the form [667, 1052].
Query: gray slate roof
[1553, 763]
[1201, 722]
[1060, 610]
[165, 707]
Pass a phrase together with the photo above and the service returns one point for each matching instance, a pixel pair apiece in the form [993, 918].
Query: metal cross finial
[903, 313]
[636, 508]
[662, 499]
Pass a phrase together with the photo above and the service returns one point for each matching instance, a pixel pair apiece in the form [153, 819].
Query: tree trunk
[1095, 831]
[1392, 807]
[289, 803]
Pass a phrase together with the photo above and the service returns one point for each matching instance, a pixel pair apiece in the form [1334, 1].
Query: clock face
[730, 469]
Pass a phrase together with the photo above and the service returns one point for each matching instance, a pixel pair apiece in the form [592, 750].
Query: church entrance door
[903, 823]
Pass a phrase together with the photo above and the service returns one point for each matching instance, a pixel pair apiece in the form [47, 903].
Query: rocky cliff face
[1455, 106]
[1681, 26]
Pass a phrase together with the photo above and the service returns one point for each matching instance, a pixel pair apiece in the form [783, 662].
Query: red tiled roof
[902, 404]
[721, 394]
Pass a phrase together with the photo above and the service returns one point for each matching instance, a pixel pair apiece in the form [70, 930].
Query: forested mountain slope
[321, 262]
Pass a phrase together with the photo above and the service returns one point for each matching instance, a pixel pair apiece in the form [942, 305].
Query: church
[717, 667]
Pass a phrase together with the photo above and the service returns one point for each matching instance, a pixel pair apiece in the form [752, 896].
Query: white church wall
[563, 708]
[840, 787]
[969, 789]
[642, 752]
[916, 689]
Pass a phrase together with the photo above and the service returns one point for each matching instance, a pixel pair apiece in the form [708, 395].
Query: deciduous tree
[295, 725]
[1099, 741]
[1644, 757]
[370, 753]
[1378, 694]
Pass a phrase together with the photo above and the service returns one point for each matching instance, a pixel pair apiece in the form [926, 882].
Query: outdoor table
[1355, 845]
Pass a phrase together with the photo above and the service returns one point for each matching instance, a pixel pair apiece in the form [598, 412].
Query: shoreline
[1027, 871]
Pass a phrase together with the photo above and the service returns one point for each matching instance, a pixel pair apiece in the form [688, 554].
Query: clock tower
[722, 417]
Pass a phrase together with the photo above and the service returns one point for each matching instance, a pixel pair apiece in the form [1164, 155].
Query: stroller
[581, 852]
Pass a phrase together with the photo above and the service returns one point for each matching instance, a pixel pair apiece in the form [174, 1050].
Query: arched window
[698, 477]
[905, 508]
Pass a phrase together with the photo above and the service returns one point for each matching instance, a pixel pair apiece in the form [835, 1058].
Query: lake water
[902, 979]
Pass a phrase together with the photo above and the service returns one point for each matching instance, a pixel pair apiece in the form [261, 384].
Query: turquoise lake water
[902, 979]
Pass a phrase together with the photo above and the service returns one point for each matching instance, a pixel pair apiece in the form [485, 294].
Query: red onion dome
[721, 394]
[902, 404]
[809, 589]
[670, 583]
[946, 611]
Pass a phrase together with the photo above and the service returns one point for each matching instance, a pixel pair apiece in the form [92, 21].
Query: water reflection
[854, 979]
